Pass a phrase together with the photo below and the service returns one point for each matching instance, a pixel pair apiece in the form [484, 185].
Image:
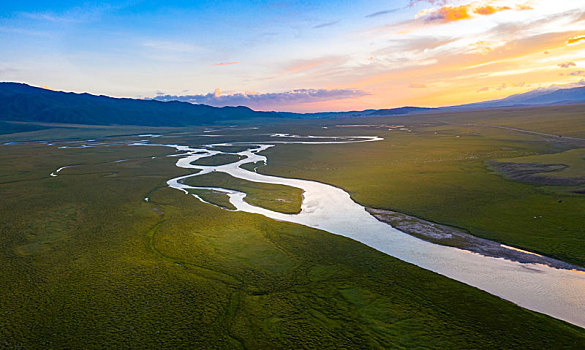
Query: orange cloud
[576, 39]
[226, 63]
[463, 77]
[489, 10]
[417, 86]
[449, 14]
[303, 66]
[300, 67]
[524, 7]
[484, 47]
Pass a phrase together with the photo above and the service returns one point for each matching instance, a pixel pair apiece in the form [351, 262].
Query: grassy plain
[438, 170]
[284, 199]
[564, 121]
[87, 263]
[10, 128]
[218, 159]
[214, 197]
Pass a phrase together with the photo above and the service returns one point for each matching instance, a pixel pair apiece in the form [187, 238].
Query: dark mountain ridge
[25, 103]
[21, 102]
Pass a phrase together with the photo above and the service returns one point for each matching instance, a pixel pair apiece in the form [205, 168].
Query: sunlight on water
[555, 292]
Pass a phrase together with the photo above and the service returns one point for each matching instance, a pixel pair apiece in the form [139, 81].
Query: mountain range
[25, 103]
[21, 102]
[555, 95]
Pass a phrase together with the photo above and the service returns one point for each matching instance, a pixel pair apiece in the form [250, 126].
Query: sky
[301, 56]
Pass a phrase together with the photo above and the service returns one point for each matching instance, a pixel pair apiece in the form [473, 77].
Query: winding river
[559, 293]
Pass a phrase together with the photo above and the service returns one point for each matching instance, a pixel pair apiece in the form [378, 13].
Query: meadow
[280, 198]
[438, 168]
[88, 263]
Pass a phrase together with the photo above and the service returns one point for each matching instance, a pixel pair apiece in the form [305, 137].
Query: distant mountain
[21, 102]
[357, 114]
[538, 97]
[399, 111]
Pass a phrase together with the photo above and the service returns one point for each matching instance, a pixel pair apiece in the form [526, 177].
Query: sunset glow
[359, 55]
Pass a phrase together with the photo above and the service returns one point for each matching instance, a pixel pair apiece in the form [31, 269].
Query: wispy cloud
[567, 64]
[432, 2]
[78, 14]
[576, 39]
[226, 63]
[266, 100]
[301, 66]
[417, 86]
[327, 24]
[24, 31]
[383, 12]
[577, 73]
[52, 17]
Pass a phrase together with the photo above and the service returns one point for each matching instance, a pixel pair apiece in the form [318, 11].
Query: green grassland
[218, 159]
[87, 263]
[11, 128]
[214, 197]
[557, 120]
[252, 166]
[39, 131]
[439, 170]
[284, 199]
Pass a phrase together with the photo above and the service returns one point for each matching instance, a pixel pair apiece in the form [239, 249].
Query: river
[559, 293]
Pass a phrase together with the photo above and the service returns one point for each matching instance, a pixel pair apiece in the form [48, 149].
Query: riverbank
[541, 287]
[81, 250]
[458, 238]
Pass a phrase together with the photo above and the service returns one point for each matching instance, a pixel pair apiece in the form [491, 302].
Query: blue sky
[293, 55]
